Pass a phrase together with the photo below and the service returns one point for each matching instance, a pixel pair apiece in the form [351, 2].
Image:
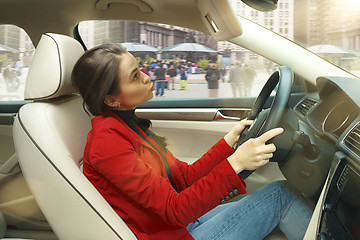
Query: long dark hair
[96, 75]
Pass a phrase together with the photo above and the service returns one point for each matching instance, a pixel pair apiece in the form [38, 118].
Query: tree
[203, 63]
[149, 59]
[139, 60]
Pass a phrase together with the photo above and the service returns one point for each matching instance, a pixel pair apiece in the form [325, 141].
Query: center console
[340, 212]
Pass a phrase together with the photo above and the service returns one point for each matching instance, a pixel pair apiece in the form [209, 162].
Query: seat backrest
[50, 135]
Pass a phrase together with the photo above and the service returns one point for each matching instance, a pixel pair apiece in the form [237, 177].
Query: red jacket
[130, 175]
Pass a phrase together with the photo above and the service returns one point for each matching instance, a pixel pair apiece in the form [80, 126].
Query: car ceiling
[61, 16]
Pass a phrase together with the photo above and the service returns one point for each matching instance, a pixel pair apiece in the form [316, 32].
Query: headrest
[50, 70]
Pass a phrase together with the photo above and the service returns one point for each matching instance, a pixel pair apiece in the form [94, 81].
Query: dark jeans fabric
[160, 88]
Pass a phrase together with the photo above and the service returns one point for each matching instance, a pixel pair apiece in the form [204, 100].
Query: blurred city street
[16, 95]
[197, 86]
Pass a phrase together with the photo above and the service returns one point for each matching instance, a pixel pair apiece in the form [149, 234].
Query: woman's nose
[146, 78]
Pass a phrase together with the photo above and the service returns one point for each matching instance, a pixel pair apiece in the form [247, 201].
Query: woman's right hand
[254, 153]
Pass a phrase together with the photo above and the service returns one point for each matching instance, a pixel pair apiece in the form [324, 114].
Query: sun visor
[219, 18]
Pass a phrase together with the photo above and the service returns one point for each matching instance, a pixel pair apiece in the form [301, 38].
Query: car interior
[43, 192]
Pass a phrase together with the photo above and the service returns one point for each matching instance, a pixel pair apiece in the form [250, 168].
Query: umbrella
[4, 48]
[138, 47]
[330, 49]
[189, 48]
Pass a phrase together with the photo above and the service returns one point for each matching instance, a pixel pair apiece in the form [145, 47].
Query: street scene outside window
[185, 63]
[181, 62]
[16, 51]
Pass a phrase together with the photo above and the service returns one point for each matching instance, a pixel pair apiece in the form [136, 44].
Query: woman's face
[135, 86]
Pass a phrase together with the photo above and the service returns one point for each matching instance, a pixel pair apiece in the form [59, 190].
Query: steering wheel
[265, 120]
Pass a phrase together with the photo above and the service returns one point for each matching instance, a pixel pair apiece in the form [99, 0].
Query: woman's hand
[233, 136]
[254, 153]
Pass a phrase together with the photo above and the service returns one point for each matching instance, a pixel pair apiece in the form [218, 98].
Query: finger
[266, 161]
[263, 162]
[267, 156]
[242, 125]
[270, 134]
[246, 122]
[269, 148]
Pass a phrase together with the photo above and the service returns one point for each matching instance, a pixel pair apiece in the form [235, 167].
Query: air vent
[305, 105]
[352, 140]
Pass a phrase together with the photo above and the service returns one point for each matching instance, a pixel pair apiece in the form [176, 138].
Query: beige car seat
[50, 135]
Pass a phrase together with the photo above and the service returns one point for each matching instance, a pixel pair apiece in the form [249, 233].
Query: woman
[158, 196]
[212, 76]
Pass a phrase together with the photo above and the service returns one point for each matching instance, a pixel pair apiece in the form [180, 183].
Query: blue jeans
[256, 215]
[160, 86]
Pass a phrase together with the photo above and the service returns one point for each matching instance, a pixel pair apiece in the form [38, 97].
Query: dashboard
[331, 119]
[333, 109]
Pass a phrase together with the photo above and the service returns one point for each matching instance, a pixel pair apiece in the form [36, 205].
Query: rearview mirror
[262, 5]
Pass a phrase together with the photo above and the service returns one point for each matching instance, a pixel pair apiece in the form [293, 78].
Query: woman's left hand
[232, 137]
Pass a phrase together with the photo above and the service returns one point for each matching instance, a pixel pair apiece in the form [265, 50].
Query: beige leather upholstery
[49, 76]
[50, 136]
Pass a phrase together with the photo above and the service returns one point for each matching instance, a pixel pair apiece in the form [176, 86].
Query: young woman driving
[159, 196]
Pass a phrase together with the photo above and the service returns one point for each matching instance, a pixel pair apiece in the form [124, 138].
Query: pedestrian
[212, 77]
[152, 75]
[11, 79]
[154, 65]
[157, 195]
[223, 73]
[183, 78]
[144, 69]
[250, 75]
[160, 80]
[237, 80]
[19, 66]
[172, 73]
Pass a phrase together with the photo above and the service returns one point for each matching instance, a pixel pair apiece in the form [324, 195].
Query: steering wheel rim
[283, 76]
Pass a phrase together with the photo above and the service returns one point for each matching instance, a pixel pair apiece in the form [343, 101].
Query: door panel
[189, 139]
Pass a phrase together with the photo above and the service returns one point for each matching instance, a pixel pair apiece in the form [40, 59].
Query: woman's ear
[111, 101]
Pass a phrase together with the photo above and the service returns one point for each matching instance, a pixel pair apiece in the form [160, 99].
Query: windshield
[328, 28]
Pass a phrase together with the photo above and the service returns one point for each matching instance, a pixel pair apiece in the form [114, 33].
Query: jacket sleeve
[214, 156]
[135, 178]
[207, 75]
[218, 74]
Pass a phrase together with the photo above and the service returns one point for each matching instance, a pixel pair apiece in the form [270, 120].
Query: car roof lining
[61, 16]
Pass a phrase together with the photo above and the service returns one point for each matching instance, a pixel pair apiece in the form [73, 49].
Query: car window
[16, 51]
[328, 28]
[203, 66]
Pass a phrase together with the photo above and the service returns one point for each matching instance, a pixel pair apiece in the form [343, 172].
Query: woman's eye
[136, 76]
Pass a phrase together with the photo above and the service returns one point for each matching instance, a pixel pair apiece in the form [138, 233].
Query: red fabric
[130, 175]
[144, 70]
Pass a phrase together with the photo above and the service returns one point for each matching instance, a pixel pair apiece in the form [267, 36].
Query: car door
[192, 126]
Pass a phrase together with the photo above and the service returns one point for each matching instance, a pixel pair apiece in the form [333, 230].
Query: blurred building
[16, 38]
[10, 36]
[157, 35]
[314, 27]
[298, 20]
[281, 21]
